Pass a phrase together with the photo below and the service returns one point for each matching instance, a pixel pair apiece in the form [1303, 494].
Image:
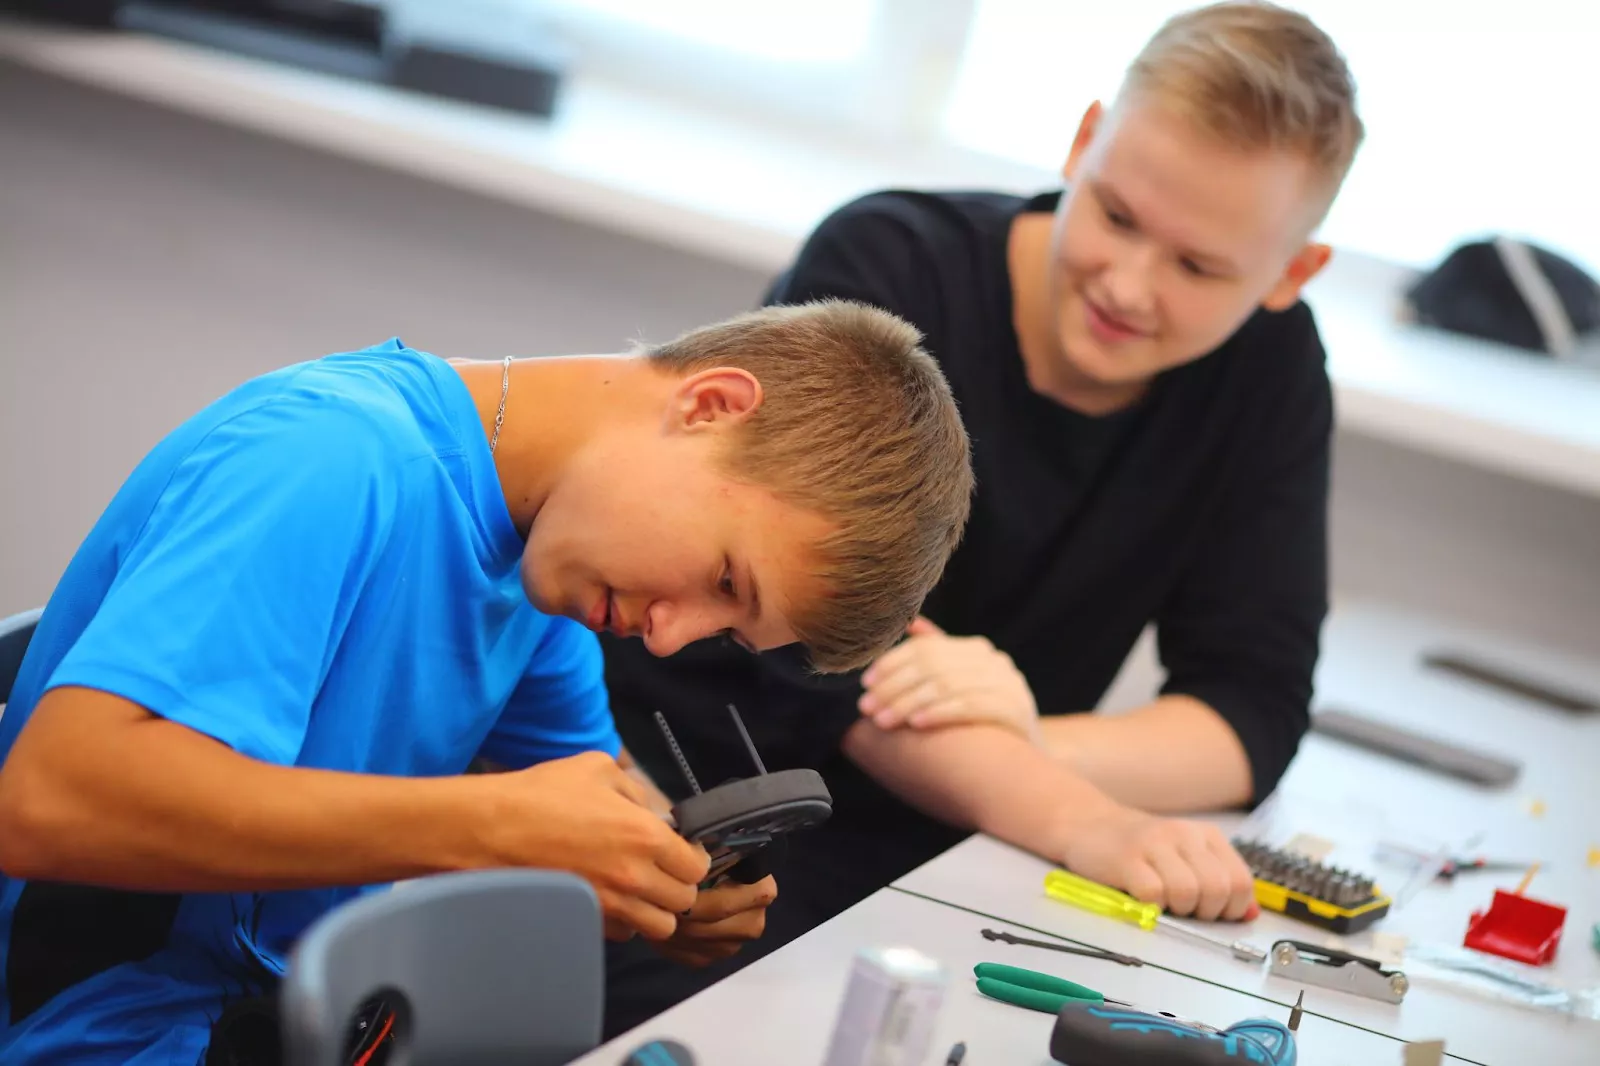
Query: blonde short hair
[1257, 75]
[858, 425]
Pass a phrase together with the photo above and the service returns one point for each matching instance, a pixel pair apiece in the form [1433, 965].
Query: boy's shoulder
[930, 215]
[342, 427]
[1275, 365]
[905, 249]
[381, 383]
[376, 401]
[1284, 343]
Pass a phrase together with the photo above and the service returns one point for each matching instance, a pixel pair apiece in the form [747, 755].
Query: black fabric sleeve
[872, 251]
[1241, 632]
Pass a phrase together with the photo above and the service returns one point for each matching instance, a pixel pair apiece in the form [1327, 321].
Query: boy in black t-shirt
[1151, 421]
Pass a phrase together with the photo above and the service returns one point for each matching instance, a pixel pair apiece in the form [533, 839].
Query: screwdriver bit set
[1326, 896]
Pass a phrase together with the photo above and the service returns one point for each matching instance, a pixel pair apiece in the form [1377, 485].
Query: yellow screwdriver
[1096, 898]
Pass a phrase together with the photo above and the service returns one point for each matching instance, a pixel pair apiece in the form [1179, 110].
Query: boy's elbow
[42, 810]
[55, 794]
[32, 827]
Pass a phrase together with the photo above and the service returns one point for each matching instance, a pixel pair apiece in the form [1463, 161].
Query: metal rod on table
[1240, 949]
[749, 745]
[677, 752]
[1070, 949]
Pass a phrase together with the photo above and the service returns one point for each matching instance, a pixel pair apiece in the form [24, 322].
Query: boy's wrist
[475, 815]
[447, 825]
[1092, 816]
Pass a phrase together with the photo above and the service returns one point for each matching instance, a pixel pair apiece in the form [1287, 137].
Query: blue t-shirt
[318, 570]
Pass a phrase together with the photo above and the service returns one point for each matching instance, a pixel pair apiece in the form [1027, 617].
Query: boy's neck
[554, 405]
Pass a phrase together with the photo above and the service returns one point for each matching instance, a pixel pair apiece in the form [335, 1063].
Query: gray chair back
[493, 966]
[15, 633]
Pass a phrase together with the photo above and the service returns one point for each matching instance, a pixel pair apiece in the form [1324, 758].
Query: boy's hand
[1189, 868]
[586, 815]
[934, 679]
[720, 922]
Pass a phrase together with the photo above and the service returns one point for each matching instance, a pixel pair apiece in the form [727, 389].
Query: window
[860, 69]
[823, 32]
[1479, 117]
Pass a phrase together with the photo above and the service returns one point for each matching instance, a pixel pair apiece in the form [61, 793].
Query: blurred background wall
[150, 258]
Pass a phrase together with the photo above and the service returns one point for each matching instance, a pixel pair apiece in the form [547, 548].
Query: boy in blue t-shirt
[256, 688]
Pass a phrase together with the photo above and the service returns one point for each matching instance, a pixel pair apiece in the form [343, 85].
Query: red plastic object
[1516, 927]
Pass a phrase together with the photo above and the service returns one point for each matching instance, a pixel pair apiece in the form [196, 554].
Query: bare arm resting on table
[986, 778]
[1171, 756]
[1174, 755]
[97, 790]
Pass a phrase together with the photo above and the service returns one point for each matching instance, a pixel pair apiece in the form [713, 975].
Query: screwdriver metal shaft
[1239, 949]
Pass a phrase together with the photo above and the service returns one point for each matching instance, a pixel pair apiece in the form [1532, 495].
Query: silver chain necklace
[500, 415]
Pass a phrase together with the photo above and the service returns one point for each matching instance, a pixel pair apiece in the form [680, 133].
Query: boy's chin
[542, 602]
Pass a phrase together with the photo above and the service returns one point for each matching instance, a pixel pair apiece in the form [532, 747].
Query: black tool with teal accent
[1091, 1034]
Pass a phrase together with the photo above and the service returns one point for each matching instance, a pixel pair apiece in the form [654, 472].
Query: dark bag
[1510, 292]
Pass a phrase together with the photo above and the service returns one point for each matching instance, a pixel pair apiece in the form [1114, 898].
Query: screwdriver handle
[1101, 899]
[1088, 1034]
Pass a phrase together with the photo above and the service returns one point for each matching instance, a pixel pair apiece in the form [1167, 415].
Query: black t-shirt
[1202, 508]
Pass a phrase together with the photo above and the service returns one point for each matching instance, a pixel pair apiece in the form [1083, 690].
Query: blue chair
[15, 633]
[488, 967]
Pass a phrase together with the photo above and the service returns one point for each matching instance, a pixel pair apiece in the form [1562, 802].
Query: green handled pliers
[1033, 990]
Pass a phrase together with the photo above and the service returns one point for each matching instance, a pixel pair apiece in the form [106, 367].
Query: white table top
[991, 878]
[1372, 663]
[781, 1009]
[1354, 799]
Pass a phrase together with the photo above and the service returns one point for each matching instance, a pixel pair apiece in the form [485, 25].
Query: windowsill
[748, 194]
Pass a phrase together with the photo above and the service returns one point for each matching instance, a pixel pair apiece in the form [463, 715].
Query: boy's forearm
[1175, 755]
[982, 778]
[98, 791]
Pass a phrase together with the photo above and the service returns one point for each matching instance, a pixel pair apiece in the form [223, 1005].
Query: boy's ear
[721, 394]
[1087, 127]
[1306, 264]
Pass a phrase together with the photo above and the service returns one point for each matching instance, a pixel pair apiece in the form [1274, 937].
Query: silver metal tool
[1069, 949]
[677, 753]
[1313, 964]
[1242, 950]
